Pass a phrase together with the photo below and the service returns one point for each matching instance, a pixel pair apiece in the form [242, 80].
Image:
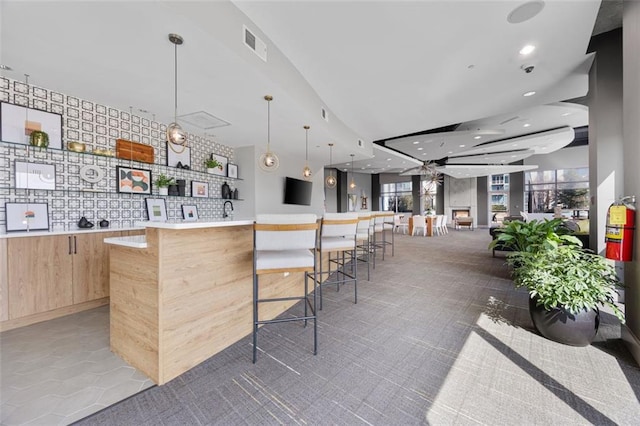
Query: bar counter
[184, 293]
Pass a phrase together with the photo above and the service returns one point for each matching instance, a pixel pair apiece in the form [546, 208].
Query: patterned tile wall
[98, 126]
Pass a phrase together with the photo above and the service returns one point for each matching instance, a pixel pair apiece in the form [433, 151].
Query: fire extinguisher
[621, 219]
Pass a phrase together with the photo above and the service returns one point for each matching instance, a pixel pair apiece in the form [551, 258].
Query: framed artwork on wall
[222, 170]
[130, 180]
[199, 189]
[27, 216]
[232, 170]
[17, 123]
[189, 212]
[35, 175]
[156, 209]
[180, 158]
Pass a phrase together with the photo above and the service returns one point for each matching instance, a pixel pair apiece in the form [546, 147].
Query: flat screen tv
[297, 191]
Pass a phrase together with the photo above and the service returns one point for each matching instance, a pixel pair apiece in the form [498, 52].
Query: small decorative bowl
[76, 146]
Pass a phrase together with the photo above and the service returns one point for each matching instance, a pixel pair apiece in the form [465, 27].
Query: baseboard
[632, 341]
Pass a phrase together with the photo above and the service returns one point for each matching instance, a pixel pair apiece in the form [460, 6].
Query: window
[396, 197]
[565, 188]
[499, 197]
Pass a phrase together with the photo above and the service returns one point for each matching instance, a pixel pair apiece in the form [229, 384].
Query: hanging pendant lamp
[176, 136]
[268, 161]
[331, 180]
[352, 185]
[306, 172]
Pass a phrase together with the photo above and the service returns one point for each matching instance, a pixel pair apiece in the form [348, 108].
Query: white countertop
[21, 234]
[195, 224]
[135, 241]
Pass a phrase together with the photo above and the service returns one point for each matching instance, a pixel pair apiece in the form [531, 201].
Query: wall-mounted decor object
[18, 122]
[35, 175]
[156, 209]
[189, 212]
[181, 160]
[221, 170]
[92, 174]
[199, 189]
[134, 151]
[232, 170]
[27, 216]
[130, 180]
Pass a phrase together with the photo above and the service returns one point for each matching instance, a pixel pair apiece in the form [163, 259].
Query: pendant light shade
[331, 180]
[352, 185]
[175, 134]
[306, 172]
[268, 161]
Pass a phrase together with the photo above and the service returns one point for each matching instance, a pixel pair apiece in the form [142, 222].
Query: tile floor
[60, 371]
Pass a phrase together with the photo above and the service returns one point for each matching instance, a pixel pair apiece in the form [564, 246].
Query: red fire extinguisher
[621, 219]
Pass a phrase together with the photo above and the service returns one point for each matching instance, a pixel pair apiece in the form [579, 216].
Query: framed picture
[232, 170]
[27, 216]
[178, 157]
[222, 171]
[156, 209]
[199, 189]
[189, 212]
[137, 181]
[17, 123]
[35, 175]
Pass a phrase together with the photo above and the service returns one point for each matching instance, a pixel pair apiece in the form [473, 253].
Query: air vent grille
[324, 114]
[254, 43]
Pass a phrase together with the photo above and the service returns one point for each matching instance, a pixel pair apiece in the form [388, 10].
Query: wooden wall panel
[4, 283]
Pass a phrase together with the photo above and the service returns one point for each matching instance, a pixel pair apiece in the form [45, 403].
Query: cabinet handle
[69, 245]
[75, 245]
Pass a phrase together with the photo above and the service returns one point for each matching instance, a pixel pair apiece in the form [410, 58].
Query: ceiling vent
[360, 143]
[252, 41]
[324, 114]
[203, 120]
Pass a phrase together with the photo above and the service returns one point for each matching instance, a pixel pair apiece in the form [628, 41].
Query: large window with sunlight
[565, 188]
[499, 197]
[396, 197]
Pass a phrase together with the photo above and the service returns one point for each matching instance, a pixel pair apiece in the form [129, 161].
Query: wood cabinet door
[39, 274]
[91, 266]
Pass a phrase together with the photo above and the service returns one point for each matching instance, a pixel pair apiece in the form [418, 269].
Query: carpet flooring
[439, 336]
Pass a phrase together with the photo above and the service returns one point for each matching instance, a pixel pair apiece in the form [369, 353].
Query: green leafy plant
[212, 163]
[163, 181]
[566, 277]
[533, 236]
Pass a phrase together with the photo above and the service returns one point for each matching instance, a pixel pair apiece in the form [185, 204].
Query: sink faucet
[224, 209]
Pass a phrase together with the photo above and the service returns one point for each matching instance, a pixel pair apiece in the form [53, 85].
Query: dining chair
[363, 240]
[419, 222]
[383, 223]
[285, 243]
[400, 223]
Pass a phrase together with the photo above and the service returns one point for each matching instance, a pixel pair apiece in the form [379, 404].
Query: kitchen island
[183, 292]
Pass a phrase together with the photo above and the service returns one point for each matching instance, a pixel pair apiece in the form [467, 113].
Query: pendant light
[330, 181]
[306, 172]
[175, 134]
[352, 185]
[268, 161]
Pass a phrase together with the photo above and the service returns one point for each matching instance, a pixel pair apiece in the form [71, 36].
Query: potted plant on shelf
[566, 284]
[163, 182]
[212, 164]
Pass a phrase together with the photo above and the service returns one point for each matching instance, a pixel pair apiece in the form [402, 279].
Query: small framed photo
[199, 189]
[178, 157]
[222, 170]
[27, 216]
[189, 212]
[129, 180]
[156, 209]
[17, 123]
[35, 175]
[232, 170]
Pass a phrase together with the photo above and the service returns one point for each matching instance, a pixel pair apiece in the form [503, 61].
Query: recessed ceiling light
[416, 142]
[531, 93]
[525, 11]
[515, 144]
[450, 152]
[388, 159]
[368, 165]
[477, 137]
[527, 49]
[362, 168]
[424, 153]
[5, 67]
[565, 114]
[420, 149]
[526, 125]
[513, 156]
[462, 146]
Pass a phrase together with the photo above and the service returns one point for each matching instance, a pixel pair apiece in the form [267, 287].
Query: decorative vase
[226, 191]
[163, 191]
[173, 190]
[562, 326]
[211, 171]
[39, 138]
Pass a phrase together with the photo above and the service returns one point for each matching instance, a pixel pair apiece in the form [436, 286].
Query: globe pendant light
[268, 161]
[330, 181]
[306, 172]
[352, 185]
[175, 134]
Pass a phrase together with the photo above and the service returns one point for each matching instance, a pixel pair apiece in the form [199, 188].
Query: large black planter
[564, 327]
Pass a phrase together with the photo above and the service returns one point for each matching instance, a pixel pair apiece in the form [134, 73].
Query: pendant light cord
[268, 126]
[175, 83]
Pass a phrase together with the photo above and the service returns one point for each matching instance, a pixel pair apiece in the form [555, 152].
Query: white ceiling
[381, 69]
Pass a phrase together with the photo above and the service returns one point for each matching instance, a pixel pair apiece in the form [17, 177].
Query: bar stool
[338, 235]
[383, 223]
[285, 243]
[363, 240]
